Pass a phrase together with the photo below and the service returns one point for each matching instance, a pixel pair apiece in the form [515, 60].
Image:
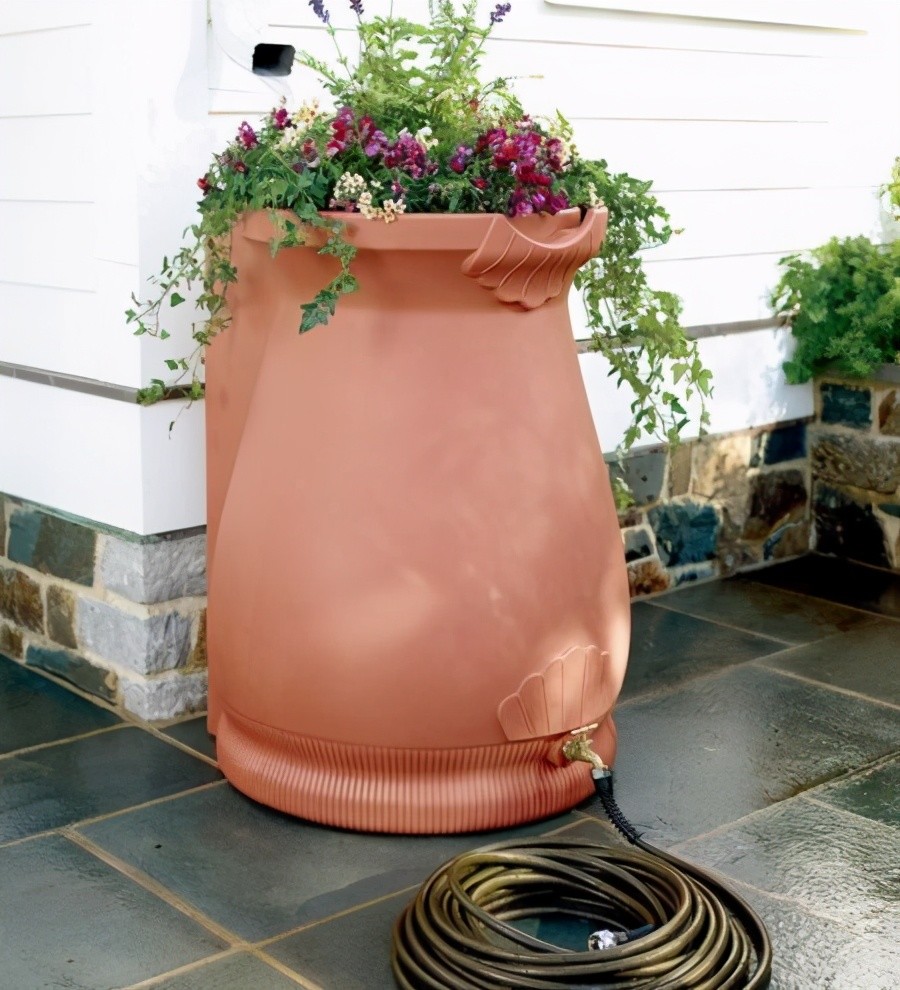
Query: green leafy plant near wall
[415, 130]
[842, 301]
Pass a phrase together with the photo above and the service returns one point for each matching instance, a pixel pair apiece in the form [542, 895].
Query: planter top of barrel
[413, 132]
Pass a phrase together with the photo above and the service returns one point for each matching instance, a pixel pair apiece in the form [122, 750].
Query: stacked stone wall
[855, 464]
[715, 506]
[122, 617]
[119, 616]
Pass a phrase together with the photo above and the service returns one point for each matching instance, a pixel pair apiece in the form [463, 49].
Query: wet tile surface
[873, 794]
[811, 953]
[61, 784]
[193, 733]
[288, 872]
[720, 747]
[34, 710]
[836, 580]
[865, 660]
[668, 647]
[767, 611]
[79, 924]
[833, 864]
[240, 972]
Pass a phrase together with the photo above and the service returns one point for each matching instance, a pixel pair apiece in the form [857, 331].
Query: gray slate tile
[193, 733]
[260, 873]
[668, 648]
[239, 972]
[865, 660]
[873, 794]
[720, 747]
[34, 710]
[839, 866]
[69, 920]
[65, 783]
[765, 610]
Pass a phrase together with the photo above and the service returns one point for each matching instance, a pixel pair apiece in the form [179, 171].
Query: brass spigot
[579, 747]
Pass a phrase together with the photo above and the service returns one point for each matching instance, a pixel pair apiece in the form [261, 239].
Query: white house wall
[760, 138]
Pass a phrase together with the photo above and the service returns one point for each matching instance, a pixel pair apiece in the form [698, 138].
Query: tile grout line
[154, 887]
[26, 750]
[818, 598]
[836, 688]
[790, 901]
[264, 943]
[724, 625]
[837, 812]
[298, 978]
[845, 775]
[178, 744]
[84, 822]
[155, 981]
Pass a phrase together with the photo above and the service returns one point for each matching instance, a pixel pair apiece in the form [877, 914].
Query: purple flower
[460, 159]
[499, 12]
[357, 7]
[319, 10]
[247, 136]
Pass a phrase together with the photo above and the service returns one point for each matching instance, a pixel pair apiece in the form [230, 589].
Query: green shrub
[842, 301]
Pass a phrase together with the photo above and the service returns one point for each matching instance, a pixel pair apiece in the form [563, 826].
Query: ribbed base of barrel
[412, 791]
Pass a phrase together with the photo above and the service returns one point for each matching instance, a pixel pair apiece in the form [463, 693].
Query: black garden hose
[680, 928]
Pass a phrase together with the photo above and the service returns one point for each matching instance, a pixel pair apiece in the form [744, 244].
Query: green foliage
[416, 131]
[892, 188]
[842, 301]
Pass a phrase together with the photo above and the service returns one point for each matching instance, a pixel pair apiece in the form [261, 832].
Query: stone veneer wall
[120, 616]
[855, 461]
[123, 617]
[715, 506]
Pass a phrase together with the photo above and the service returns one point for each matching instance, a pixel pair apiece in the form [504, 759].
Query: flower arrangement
[414, 130]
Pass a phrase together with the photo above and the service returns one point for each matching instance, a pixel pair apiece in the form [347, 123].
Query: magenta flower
[281, 118]
[239, 166]
[372, 140]
[204, 184]
[247, 136]
[409, 156]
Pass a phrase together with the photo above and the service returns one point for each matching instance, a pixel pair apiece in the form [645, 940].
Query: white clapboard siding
[760, 221]
[751, 390]
[45, 73]
[718, 290]
[715, 154]
[49, 244]
[539, 20]
[47, 176]
[103, 459]
[22, 16]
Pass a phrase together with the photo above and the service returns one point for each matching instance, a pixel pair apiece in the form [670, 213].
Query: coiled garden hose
[667, 924]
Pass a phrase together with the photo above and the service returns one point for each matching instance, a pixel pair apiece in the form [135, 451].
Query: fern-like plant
[842, 301]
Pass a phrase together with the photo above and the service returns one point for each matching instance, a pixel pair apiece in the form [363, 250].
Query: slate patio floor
[759, 734]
